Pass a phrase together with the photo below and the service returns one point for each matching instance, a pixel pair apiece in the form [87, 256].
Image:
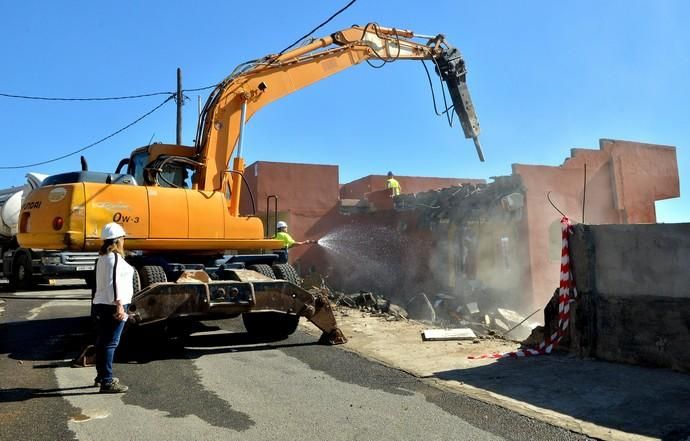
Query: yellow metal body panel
[168, 212]
[207, 214]
[124, 204]
[241, 227]
[39, 210]
[155, 219]
[206, 245]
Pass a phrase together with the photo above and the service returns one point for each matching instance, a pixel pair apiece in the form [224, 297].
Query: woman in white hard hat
[111, 301]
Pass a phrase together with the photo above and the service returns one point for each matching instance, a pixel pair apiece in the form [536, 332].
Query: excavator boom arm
[258, 83]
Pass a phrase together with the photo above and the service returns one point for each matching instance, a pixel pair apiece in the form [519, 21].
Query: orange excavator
[195, 255]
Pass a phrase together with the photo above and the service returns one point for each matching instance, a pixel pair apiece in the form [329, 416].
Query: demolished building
[495, 243]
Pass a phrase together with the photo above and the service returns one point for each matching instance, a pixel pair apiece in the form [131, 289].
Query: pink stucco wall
[624, 180]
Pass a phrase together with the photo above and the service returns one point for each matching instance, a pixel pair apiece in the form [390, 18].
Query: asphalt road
[219, 383]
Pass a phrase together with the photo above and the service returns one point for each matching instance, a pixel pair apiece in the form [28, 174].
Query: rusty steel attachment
[228, 298]
[335, 337]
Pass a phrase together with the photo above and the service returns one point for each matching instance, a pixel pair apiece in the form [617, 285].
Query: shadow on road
[23, 394]
[39, 296]
[5, 288]
[49, 339]
[65, 338]
[649, 402]
[182, 342]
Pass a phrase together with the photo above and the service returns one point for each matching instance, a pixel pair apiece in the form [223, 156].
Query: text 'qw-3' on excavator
[182, 229]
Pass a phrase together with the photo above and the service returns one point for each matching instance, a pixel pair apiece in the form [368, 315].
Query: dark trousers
[282, 255]
[108, 332]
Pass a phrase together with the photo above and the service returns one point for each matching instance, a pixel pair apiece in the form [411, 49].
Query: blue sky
[544, 76]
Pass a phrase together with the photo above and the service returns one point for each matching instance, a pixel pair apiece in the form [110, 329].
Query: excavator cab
[163, 165]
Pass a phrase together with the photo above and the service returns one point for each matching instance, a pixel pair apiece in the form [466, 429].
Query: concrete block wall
[634, 293]
[624, 180]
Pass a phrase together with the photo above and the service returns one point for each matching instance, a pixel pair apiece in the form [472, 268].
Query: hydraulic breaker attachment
[451, 67]
[224, 298]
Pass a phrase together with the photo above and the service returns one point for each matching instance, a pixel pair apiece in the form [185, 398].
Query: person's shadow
[45, 339]
[18, 394]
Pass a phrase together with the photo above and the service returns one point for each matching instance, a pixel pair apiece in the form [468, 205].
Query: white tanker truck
[24, 267]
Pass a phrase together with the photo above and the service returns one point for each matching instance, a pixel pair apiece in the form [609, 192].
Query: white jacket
[107, 292]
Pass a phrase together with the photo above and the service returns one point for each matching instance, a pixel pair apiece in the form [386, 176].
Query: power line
[200, 88]
[107, 98]
[171, 96]
[314, 30]
[92, 144]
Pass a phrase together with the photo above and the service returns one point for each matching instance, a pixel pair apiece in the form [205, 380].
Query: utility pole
[178, 139]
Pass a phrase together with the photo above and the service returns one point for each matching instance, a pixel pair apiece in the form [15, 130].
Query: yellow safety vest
[393, 184]
[288, 241]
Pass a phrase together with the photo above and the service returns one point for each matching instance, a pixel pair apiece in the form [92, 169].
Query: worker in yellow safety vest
[284, 236]
[393, 184]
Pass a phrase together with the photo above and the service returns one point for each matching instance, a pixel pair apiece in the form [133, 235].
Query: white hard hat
[112, 231]
[281, 224]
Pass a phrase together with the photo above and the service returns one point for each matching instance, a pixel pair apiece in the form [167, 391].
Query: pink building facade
[621, 184]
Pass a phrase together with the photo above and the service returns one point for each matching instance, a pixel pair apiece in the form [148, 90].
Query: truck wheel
[136, 282]
[264, 269]
[150, 274]
[91, 282]
[287, 272]
[272, 325]
[22, 274]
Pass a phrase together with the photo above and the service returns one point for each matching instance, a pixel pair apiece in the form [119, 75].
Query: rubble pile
[479, 225]
[450, 311]
[365, 301]
[500, 199]
[440, 310]
[463, 262]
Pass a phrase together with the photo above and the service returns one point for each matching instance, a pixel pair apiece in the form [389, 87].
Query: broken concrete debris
[501, 324]
[364, 301]
[472, 308]
[441, 310]
[420, 308]
[397, 311]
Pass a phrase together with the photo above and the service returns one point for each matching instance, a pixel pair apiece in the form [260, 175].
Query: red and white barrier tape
[566, 291]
